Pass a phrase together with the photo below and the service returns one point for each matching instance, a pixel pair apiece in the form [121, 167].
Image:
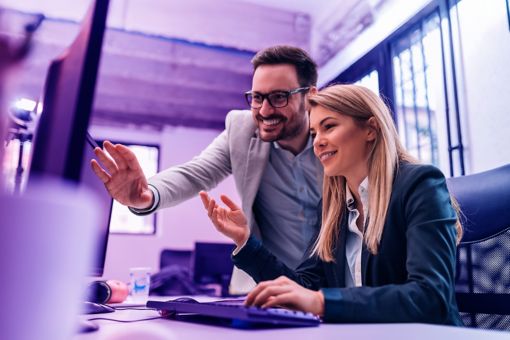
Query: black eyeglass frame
[287, 94]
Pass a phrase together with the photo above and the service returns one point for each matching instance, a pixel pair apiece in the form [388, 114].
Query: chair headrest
[484, 200]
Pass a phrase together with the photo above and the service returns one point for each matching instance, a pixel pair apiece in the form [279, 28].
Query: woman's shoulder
[410, 175]
[413, 170]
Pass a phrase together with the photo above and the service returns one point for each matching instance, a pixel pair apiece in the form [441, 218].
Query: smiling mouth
[326, 155]
[270, 122]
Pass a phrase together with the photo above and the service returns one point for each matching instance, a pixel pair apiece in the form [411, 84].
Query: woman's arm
[250, 254]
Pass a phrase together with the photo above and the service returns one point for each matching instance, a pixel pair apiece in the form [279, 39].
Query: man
[268, 151]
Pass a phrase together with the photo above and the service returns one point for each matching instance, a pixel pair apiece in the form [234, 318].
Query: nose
[266, 108]
[319, 142]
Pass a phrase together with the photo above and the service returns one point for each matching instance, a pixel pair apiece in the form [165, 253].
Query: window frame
[379, 58]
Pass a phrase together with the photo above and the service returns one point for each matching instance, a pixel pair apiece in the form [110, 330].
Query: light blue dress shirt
[287, 200]
[354, 241]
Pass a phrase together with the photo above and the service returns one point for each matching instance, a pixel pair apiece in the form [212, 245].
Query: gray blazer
[236, 151]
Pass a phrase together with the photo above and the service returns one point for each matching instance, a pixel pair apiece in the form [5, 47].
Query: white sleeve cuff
[154, 205]
[238, 249]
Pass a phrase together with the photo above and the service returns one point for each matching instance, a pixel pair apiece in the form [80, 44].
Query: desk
[160, 329]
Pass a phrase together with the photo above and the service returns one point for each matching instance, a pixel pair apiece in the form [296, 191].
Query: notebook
[236, 312]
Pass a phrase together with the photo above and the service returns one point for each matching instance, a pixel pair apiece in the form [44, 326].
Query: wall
[391, 15]
[177, 227]
[484, 42]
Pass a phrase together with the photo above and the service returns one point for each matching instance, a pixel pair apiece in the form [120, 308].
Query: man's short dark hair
[306, 68]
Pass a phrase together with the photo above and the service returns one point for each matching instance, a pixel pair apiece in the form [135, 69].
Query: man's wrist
[154, 203]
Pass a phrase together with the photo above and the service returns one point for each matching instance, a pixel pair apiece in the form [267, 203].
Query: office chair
[483, 256]
[177, 257]
[212, 265]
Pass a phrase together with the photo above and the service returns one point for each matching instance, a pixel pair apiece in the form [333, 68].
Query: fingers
[253, 296]
[129, 157]
[119, 159]
[287, 299]
[229, 203]
[210, 208]
[279, 292]
[269, 294]
[103, 175]
[107, 162]
[205, 198]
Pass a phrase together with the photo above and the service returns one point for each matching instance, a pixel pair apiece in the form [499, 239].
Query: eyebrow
[321, 123]
[272, 91]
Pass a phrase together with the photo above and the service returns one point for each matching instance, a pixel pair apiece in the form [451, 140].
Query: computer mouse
[185, 299]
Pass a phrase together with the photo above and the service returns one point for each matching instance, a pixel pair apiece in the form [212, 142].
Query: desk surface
[160, 329]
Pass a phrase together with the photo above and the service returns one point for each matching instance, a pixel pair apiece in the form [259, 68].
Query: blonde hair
[361, 104]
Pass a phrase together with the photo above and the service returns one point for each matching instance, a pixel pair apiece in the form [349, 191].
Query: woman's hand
[286, 293]
[229, 221]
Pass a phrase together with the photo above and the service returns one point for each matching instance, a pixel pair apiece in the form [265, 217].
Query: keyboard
[237, 313]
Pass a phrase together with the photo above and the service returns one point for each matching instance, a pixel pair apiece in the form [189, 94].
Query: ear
[372, 129]
[312, 91]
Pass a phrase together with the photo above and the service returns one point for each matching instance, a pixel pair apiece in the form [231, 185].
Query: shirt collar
[363, 193]
[309, 144]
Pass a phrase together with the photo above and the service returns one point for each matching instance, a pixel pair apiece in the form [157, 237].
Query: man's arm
[203, 172]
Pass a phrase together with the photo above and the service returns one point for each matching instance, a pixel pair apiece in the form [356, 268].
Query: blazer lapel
[338, 268]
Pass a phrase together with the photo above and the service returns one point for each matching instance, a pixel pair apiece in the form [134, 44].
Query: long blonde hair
[361, 104]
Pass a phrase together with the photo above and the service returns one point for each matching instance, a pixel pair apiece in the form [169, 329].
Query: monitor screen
[59, 149]
[212, 262]
[90, 180]
[67, 101]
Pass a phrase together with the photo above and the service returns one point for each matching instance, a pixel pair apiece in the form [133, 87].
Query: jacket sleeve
[262, 265]
[203, 172]
[428, 294]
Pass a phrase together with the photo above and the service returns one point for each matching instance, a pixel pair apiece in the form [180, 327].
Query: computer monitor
[212, 264]
[59, 149]
[67, 103]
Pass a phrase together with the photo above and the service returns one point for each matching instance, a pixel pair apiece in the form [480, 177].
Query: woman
[386, 247]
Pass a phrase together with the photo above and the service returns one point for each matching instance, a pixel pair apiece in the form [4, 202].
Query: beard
[287, 128]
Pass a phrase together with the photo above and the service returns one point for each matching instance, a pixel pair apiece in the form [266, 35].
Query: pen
[91, 141]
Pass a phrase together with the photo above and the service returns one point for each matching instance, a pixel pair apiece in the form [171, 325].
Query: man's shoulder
[239, 116]
[240, 122]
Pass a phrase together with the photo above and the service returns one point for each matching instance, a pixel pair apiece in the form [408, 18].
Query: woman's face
[341, 144]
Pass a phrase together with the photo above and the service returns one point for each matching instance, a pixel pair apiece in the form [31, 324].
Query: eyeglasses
[276, 99]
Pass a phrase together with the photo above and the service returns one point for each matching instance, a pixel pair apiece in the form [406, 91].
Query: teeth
[271, 121]
[326, 155]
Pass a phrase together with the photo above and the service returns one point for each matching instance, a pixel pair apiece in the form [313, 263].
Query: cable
[126, 321]
[133, 308]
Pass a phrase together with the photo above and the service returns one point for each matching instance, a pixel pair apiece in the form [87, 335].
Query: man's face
[283, 123]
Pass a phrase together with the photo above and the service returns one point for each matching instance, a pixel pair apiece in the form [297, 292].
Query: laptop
[234, 313]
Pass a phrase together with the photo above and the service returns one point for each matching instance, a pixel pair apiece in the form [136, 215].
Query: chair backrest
[209, 264]
[212, 263]
[483, 256]
[177, 257]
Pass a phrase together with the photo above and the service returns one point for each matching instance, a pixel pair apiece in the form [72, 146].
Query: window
[124, 221]
[414, 72]
[371, 80]
[417, 67]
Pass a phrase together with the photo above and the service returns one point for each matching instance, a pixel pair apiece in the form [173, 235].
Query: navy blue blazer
[410, 279]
